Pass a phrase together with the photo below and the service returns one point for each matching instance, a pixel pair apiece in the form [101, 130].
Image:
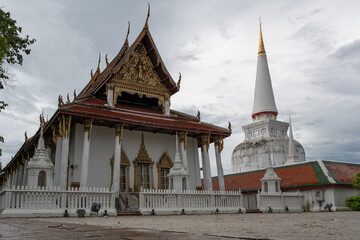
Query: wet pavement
[22, 228]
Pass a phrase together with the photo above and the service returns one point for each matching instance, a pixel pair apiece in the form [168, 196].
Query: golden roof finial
[127, 35]
[261, 42]
[147, 18]
[98, 67]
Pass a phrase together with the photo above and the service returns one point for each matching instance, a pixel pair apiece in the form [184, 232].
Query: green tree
[12, 46]
[357, 180]
[354, 202]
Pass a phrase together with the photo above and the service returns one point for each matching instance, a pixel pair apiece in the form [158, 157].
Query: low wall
[189, 202]
[278, 202]
[20, 201]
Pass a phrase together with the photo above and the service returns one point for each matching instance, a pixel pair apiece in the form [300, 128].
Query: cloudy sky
[313, 50]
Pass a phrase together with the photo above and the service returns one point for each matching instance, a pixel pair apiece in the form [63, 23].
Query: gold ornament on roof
[229, 127]
[74, 94]
[26, 137]
[107, 61]
[127, 35]
[60, 101]
[68, 98]
[179, 81]
[147, 17]
[198, 115]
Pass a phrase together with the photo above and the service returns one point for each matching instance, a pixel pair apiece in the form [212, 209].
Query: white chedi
[40, 168]
[178, 175]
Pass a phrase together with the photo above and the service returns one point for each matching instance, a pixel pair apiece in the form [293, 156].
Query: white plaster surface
[102, 149]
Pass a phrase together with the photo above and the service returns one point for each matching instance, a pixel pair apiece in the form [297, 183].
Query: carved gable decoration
[139, 70]
[138, 76]
[124, 160]
[165, 161]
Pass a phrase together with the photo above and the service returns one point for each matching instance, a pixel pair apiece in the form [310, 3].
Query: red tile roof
[292, 176]
[144, 116]
[342, 172]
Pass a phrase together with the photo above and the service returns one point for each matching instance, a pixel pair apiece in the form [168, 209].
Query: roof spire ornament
[127, 35]
[98, 66]
[179, 81]
[261, 42]
[147, 18]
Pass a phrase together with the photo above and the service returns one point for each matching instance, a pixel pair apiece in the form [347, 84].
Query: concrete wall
[335, 196]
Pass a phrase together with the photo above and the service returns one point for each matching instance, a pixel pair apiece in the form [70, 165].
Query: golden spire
[261, 43]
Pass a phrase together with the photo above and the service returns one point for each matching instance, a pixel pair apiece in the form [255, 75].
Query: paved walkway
[21, 228]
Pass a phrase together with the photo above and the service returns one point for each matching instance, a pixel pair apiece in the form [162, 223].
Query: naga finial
[74, 94]
[107, 61]
[68, 98]
[26, 137]
[127, 35]
[98, 67]
[91, 74]
[198, 115]
[229, 127]
[179, 81]
[147, 18]
[60, 101]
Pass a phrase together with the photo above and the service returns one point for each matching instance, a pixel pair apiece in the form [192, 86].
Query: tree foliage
[353, 202]
[12, 46]
[357, 180]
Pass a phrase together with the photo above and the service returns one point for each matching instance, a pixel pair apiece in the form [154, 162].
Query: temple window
[163, 165]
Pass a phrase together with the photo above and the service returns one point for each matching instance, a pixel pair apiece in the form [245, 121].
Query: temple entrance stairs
[128, 204]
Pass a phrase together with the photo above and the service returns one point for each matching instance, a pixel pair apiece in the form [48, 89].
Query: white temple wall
[341, 194]
[102, 149]
[102, 146]
[75, 152]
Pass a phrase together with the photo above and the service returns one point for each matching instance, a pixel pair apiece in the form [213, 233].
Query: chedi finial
[261, 42]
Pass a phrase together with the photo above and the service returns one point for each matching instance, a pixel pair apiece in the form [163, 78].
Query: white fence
[30, 201]
[280, 202]
[161, 201]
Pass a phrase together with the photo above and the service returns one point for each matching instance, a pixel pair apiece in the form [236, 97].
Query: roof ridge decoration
[147, 17]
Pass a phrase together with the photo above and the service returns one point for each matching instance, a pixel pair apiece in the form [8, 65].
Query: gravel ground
[320, 225]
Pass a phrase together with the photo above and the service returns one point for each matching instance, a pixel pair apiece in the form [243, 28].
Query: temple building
[120, 133]
[265, 134]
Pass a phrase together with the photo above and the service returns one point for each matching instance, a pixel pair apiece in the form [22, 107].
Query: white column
[183, 145]
[57, 161]
[116, 169]
[206, 162]
[196, 163]
[167, 108]
[20, 176]
[85, 154]
[219, 143]
[110, 96]
[16, 174]
[64, 152]
[24, 180]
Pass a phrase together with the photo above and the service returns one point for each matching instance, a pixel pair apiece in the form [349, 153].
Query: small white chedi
[266, 132]
[40, 168]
